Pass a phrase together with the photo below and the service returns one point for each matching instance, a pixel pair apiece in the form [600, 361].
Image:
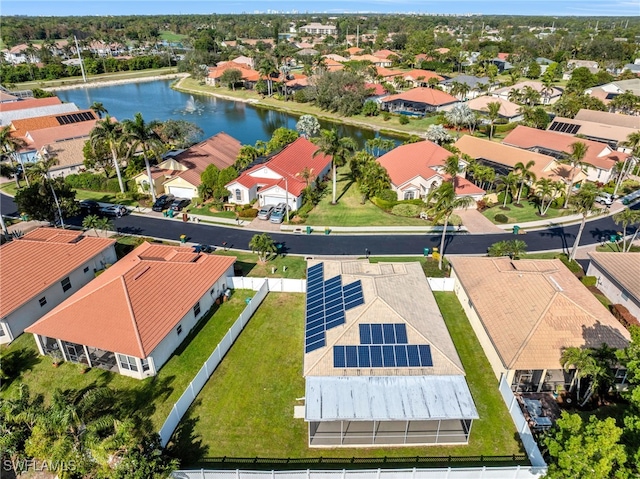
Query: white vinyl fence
[529, 442]
[276, 285]
[441, 284]
[511, 472]
[210, 365]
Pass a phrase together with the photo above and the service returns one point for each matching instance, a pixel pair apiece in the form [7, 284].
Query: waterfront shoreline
[120, 81]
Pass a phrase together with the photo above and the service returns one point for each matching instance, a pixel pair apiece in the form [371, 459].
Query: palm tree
[583, 203]
[508, 184]
[493, 112]
[442, 202]
[104, 224]
[9, 170]
[530, 96]
[547, 191]
[263, 244]
[579, 359]
[330, 144]
[98, 108]
[266, 68]
[626, 218]
[633, 142]
[459, 115]
[10, 146]
[525, 174]
[140, 134]
[39, 170]
[91, 223]
[574, 160]
[245, 157]
[111, 134]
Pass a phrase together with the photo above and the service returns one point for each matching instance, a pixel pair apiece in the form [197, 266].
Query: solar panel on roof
[339, 360]
[388, 356]
[389, 333]
[401, 333]
[354, 303]
[364, 360]
[413, 355]
[365, 334]
[376, 356]
[425, 355]
[352, 356]
[401, 356]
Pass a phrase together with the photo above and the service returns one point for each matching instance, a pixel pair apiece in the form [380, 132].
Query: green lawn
[350, 212]
[171, 37]
[205, 210]
[248, 263]
[246, 408]
[100, 196]
[155, 396]
[528, 212]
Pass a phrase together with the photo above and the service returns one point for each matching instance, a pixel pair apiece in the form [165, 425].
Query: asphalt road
[556, 238]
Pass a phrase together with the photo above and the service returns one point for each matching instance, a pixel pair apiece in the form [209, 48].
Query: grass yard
[350, 212]
[246, 408]
[616, 248]
[205, 210]
[171, 37]
[529, 212]
[154, 396]
[100, 196]
[248, 263]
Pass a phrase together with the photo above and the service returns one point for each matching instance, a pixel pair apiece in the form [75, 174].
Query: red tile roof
[384, 54]
[220, 150]
[386, 73]
[248, 74]
[30, 103]
[289, 162]
[39, 138]
[22, 126]
[31, 264]
[415, 159]
[598, 154]
[430, 96]
[128, 308]
[377, 88]
[425, 74]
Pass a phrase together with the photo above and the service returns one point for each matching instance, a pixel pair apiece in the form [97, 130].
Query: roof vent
[141, 272]
[555, 283]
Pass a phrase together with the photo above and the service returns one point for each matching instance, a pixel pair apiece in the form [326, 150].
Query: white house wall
[275, 195]
[15, 323]
[612, 290]
[265, 172]
[494, 359]
[161, 354]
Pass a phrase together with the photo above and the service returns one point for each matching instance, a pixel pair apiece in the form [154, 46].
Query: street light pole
[286, 193]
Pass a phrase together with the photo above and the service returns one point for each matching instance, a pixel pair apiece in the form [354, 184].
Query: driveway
[477, 223]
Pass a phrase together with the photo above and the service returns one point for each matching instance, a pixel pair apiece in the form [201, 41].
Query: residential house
[420, 78]
[380, 367]
[315, 28]
[43, 268]
[590, 65]
[308, 52]
[526, 312]
[617, 277]
[249, 76]
[280, 178]
[241, 60]
[68, 153]
[609, 91]
[547, 97]
[33, 107]
[354, 51]
[632, 67]
[416, 169]
[606, 118]
[477, 85]
[386, 75]
[502, 63]
[504, 158]
[126, 320]
[179, 173]
[377, 61]
[613, 135]
[508, 110]
[600, 157]
[21, 54]
[418, 101]
[385, 54]
[335, 58]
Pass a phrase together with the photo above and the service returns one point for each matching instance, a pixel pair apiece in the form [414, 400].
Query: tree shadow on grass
[185, 444]
[16, 363]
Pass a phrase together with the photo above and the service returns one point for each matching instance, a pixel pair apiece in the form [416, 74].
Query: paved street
[556, 238]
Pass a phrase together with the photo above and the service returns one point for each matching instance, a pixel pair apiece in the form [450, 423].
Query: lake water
[157, 101]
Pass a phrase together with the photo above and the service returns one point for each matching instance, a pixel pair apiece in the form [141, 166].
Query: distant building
[418, 101]
[319, 29]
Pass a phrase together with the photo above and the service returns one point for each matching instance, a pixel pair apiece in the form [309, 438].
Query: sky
[487, 7]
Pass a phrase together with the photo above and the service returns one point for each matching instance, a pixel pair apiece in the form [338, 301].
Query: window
[620, 376]
[66, 284]
[179, 329]
[238, 194]
[145, 365]
[196, 309]
[86, 269]
[127, 362]
[42, 301]
[409, 195]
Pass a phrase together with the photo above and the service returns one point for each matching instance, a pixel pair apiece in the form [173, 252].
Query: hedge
[406, 210]
[248, 213]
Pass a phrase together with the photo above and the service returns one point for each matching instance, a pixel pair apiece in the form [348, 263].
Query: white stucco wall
[613, 290]
[247, 194]
[15, 323]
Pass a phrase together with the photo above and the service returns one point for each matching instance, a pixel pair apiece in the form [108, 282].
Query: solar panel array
[564, 127]
[395, 333]
[382, 356]
[327, 302]
[75, 117]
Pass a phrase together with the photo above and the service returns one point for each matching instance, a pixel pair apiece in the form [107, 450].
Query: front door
[72, 352]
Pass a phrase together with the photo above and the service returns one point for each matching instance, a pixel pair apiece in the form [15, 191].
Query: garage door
[271, 200]
[181, 192]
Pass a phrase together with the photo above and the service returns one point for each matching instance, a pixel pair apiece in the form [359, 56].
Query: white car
[604, 199]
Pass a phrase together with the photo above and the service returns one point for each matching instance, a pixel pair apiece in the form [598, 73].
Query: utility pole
[84, 76]
[358, 36]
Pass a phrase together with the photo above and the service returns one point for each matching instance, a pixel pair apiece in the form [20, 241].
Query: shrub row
[94, 182]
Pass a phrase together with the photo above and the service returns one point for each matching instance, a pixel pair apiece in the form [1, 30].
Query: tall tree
[547, 191]
[140, 134]
[626, 218]
[508, 184]
[264, 245]
[98, 108]
[633, 142]
[442, 202]
[10, 146]
[308, 126]
[111, 134]
[370, 176]
[578, 150]
[525, 175]
[583, 203]
[339, 149]
[493, 112]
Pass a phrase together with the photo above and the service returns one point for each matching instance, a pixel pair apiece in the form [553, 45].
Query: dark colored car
[179, 203]
[114, 210]
[89, 207]
[163, 202]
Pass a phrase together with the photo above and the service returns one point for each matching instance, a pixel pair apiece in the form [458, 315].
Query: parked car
[89, 207]
[163, 202]
[279, 213]
[604, 199]
[179, 203]
[265, 212]
[114, 210]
